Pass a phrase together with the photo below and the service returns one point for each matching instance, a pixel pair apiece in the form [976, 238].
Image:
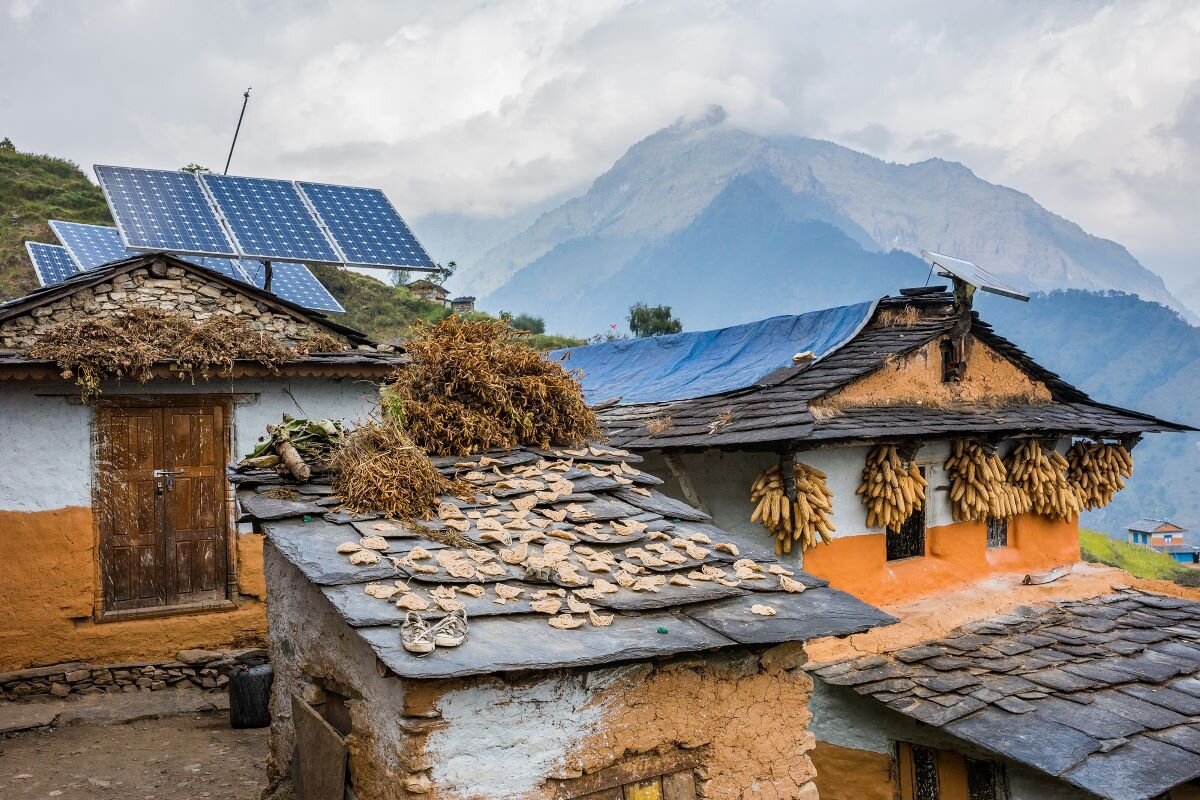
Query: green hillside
[1141, 562]
[34, 189]
[38, 188]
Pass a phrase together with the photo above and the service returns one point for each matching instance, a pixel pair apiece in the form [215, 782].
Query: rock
[251, 656]
[60, 689]
[143, 681]
[78, 675]
[222, 680]
[154, 687]
[208, 683]
[197, 656]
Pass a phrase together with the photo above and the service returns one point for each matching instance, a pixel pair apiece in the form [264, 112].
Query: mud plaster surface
[917, 379]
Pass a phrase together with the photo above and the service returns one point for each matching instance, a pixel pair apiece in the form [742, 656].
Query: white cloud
[487, 107]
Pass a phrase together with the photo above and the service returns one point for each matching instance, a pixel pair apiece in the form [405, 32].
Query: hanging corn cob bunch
[979, 488]
[804, 519]
[1098, 471]
[891, 490]
[1041, 472]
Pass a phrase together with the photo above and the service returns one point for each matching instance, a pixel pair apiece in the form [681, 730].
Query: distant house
[428, 290]
[1165, 537]
[461, 305]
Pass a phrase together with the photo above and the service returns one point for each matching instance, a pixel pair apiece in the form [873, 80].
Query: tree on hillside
[524, 322]
[443, 273]
[7, 146]
[647, 320]
[194, 168]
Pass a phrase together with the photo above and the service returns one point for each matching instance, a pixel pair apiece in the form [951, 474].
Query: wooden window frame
[955, 776]
[997, 532]
[674, 770]
[230, 601]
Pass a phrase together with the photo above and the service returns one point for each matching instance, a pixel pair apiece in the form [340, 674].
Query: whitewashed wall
[46, 447]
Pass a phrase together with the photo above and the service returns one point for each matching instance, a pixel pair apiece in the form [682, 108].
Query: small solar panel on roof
[294, 282]
[973, 274]
[51, 262]
[365, 225]
[161, 210]
[90, 245]
[268, 219]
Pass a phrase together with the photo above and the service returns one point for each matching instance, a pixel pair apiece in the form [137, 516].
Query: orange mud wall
[48, 591]
[846, 773]
[955, 555]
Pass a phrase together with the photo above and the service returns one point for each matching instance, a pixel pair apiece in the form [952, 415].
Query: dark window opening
[909, 540]
[985, 780]
[997, 532]
[954, 360]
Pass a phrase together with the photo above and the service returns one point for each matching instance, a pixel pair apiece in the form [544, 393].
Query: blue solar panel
[158, 210]
[294, 282]
[269, 220]
[229, 268]
[90, 245]
[366, 226]
[51, 263]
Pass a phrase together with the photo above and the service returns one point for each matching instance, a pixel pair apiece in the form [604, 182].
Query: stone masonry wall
[179, 290]
[204, 669]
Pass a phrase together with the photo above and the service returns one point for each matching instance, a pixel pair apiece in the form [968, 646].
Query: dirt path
[197, 756]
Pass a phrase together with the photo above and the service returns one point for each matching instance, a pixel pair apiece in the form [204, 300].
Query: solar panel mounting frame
[982, 279]
[329, 233]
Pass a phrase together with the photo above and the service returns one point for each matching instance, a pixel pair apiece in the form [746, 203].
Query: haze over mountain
[777, 225]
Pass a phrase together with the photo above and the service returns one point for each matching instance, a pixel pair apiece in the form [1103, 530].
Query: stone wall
[204, 669]
[177, 290]
[736, 720]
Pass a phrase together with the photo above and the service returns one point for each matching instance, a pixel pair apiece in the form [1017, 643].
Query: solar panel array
[259, 218]
[268, 219]
[294, 282]
[365, 226]
[90, 245]
[161, 211]
[51, 262]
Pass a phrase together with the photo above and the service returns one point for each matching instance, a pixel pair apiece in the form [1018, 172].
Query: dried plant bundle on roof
[891, 489]
[378, 469]
[296, 443]
[1098, 471]
[806, 519]
[1041, 472]
[979, 487]
[128, 344]
[473, 386]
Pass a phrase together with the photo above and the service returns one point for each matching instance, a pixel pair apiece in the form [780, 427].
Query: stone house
[121, 539]
[922, 372]
[428, 290]
[462, 305]
[683, 682]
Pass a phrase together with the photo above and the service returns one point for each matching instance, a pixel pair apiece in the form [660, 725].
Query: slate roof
[1151, 525]
[601, 487]
[1102, 693]
[775, 409]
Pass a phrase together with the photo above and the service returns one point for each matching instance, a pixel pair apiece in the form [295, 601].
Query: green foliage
[33, 190]
[525, 322]
[647, 320]
[194, 168]
[7, 146]
[1141, 562]
[548, 341]
[385, 313]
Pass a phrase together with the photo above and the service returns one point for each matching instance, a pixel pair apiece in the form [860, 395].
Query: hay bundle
[1098, 471]
[891, 490]
[379, 470]
[473, 386]
[979, 487]
[804, 519]
[129, 344]
[296, 443]
[1041, 473]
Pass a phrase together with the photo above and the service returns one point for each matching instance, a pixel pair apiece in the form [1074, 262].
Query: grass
[33, 190]
[1141, 562]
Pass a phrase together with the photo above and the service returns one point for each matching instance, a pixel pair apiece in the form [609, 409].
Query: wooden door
[161, 487]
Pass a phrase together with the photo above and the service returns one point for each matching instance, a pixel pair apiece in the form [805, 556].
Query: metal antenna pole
[233, 144]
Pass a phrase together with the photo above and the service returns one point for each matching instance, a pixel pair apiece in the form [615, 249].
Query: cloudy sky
[485, 108]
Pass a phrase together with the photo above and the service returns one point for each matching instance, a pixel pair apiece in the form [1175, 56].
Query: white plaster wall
[842, 717]
[45, 432]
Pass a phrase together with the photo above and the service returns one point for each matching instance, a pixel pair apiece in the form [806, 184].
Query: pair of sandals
[419, 637]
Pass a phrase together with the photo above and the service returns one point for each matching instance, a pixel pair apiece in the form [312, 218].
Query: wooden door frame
[230, 602]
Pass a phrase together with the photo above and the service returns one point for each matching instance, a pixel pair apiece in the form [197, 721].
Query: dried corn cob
[804, 519]
[891, 490]
[979, 488]
[1041, 472]
[1098, 471]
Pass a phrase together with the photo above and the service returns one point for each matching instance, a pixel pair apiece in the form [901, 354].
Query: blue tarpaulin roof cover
[683, 366]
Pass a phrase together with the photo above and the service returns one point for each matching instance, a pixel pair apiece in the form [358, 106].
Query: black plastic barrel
[250, 696]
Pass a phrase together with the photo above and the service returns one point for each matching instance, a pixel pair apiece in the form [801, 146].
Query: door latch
[168, 478]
